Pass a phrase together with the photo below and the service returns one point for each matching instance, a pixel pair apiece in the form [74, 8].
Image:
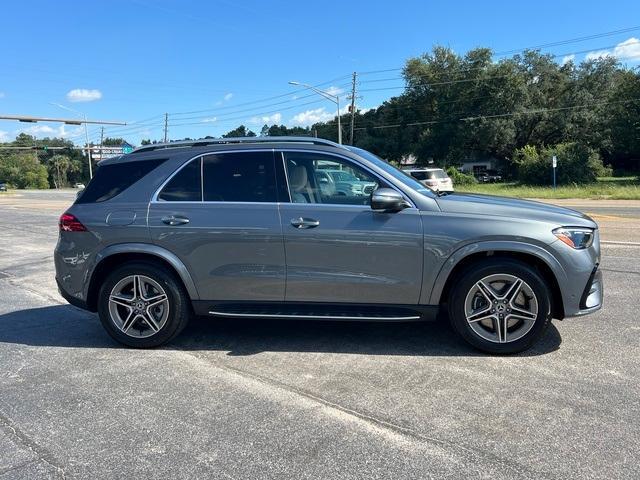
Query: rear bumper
[76, 302]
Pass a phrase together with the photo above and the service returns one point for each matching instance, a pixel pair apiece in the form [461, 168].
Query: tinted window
[419, 175]
[185, 185]
[111, 180]
[239, 177]
[318, 178]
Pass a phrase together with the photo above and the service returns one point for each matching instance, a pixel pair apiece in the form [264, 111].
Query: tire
[474, 311]
[158, 320]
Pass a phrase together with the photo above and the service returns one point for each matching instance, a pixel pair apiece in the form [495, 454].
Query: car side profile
[245, 228]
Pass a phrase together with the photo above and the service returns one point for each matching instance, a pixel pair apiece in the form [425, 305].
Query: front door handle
[304, 222]
[174, 220]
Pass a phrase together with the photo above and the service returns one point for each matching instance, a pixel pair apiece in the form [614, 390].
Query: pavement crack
[40, 452]
[380, 424]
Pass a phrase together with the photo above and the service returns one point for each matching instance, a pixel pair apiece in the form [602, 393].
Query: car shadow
[67, 326]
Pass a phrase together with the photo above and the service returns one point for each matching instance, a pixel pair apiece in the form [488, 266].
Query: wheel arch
[116, 255]
[545, 263]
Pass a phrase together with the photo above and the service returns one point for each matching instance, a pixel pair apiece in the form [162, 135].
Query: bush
[460, 178]
[577, 164]
[23, 171]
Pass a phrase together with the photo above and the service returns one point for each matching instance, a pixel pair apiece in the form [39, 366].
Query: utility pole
[166, 126]
[101, 140]
[353, 106]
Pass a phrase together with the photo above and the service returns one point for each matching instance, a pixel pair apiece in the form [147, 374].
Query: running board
[316, 311]
[314, 316]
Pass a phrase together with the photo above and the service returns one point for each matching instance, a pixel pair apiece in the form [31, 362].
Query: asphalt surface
[271, 399]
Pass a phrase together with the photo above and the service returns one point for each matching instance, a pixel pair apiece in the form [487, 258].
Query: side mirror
[387, 200]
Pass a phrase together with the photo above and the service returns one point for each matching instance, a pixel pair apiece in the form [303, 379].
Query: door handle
[174, 220]
[304, 222]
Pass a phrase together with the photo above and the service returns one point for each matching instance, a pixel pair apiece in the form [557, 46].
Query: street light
[86, 133]
[328, 96]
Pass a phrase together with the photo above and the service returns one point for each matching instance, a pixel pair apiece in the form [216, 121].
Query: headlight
[578, 238]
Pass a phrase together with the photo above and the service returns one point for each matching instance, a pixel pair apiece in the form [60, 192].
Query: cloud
[210, 120]
[4, 136]
[334, 90]
[47, 131]
[227, 97]
[627, 50]
[84, 95]
[310, 117]
[270, 119]
[568, 58]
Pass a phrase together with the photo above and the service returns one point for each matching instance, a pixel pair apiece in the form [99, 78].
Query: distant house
[100, 153]
[478, 165]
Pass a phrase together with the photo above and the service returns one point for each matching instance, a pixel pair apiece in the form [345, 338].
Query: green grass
[613, 188]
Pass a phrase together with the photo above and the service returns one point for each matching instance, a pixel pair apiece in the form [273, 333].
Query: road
[272, 399]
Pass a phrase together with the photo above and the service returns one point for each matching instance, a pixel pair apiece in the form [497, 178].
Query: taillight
[69, 223]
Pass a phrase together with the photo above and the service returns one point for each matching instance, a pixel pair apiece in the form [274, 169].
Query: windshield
[399, 175]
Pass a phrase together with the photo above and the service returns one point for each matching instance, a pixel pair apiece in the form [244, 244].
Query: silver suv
[242, 228]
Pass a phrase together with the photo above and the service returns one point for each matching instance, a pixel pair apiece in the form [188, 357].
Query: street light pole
[86, 134]
[328, 96]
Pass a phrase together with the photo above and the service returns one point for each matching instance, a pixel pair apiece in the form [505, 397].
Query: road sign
[129, 149]
[555, 161]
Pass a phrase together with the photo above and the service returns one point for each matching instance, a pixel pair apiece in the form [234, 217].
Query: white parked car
[434, 178]
[79, 186]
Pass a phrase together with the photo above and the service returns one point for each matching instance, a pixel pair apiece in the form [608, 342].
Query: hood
[512, 207]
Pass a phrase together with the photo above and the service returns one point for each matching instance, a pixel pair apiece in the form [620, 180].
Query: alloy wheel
[138, 306]
[501, 308]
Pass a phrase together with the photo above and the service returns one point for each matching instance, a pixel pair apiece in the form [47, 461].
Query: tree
[23, 170]
[241, 131]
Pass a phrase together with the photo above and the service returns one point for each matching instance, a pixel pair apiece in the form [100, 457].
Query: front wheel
[500, 306]
[142, 305]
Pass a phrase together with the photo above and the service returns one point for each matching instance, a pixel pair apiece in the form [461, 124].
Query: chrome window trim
[349, 160]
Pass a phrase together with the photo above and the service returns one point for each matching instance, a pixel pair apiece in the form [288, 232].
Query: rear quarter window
[111, 180]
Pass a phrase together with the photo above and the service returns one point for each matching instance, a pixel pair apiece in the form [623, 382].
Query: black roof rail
[234, 140]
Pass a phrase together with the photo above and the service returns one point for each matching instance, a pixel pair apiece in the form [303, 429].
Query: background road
[271, 399]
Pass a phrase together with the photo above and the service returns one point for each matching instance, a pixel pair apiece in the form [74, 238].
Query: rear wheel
[500, 306]
[141, 305]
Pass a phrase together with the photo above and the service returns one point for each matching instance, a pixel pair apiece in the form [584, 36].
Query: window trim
[200, 156]
[282, 151]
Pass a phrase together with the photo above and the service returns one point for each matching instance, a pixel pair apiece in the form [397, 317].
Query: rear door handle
[304, 222]
[174, 220]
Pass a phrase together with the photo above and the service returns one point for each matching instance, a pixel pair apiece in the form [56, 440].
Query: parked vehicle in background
[343, 182]
[79, 186]
[434, 178]
[3, 187]
[489, 176]
[240, 227]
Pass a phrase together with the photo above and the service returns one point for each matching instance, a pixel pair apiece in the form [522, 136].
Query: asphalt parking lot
[272, 399]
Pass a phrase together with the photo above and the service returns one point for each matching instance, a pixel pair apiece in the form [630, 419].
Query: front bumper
[592, 296]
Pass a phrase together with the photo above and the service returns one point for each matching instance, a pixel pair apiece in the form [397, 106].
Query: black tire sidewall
[488, 267]
[179, 311]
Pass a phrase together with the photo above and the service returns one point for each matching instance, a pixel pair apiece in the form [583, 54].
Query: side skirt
[316, 311]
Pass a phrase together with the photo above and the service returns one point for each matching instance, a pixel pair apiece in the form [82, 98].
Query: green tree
[23, 170]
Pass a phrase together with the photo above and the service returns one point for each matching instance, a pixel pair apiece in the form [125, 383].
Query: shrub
[577, 164]
[23, 171]
[460, 178]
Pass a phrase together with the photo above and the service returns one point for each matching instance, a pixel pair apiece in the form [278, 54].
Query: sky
[213, 65]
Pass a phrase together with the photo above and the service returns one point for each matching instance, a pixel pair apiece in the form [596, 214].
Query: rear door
[219, 215]
[338, 250]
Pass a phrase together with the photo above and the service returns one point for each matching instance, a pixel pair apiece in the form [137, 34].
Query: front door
[219, 215]
[337, 248]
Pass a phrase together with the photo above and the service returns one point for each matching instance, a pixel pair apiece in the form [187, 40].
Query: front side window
[239, 177]
[185, 185]
[319, 178]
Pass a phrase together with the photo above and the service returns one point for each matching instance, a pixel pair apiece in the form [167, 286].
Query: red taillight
[69, 223]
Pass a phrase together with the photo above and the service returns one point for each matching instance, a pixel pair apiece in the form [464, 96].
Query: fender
[156, 251]
[498, 246]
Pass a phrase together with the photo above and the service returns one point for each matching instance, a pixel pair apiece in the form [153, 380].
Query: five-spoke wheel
[143, 305]
[500, 305]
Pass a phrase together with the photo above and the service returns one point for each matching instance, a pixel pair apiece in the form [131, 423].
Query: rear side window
[185, 186]
[111, 180]
[239, 177]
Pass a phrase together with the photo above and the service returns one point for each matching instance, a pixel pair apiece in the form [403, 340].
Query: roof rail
[234, 140]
